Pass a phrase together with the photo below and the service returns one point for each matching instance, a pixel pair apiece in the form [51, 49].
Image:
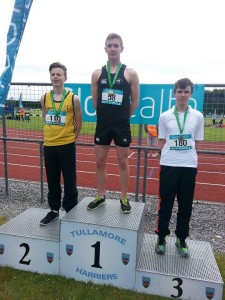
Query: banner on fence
[21, 100]
[154, 99]
[15, 33]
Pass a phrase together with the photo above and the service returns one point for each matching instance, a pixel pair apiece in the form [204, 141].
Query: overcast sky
[163, 40]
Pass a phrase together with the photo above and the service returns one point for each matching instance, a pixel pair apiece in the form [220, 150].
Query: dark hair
[58, 65]
[114, 36]
[182, 84]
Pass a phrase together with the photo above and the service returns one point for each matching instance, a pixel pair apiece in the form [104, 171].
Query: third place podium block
[102, 245]
[196, 277]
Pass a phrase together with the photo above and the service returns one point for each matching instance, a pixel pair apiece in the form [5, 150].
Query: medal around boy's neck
[58, 95]
[113, 69]
[181, 108]
[113, 66]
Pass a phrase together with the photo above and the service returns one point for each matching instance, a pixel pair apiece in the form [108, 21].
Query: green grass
[16, 284]
[35, 123]
[211, 133]
[3, 220]
[214, 134]
[220, 259]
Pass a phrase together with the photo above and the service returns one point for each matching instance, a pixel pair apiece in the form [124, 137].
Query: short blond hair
[114, 36]
[58, 65]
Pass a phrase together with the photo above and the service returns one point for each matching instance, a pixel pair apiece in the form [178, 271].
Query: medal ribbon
[178, 121]
[57, 111]
[111, 83]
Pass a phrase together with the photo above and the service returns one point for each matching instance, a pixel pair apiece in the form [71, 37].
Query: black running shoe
[125, 206]
[96, 203]
[51, 216]
[160, 247]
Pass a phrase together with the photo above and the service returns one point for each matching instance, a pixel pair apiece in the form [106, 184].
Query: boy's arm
[78, 114]
[43, 107]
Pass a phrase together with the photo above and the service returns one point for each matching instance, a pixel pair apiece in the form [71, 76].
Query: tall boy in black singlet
[115, 94]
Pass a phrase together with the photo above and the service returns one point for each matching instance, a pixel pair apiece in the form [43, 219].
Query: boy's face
[57, 76]
[113, 48]
[183, 95]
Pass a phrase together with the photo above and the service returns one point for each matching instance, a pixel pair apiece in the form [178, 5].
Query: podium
[25, 245]
[105, 246]
[196, 277]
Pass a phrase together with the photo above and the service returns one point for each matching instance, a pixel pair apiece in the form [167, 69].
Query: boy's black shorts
[121, 135]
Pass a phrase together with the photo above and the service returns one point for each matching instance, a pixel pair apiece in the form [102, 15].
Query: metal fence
[21, 147]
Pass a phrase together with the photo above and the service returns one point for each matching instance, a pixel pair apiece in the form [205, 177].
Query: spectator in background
[221, 120]
[17, 115]
[152, 138]
[214, 119]
[22, 112]
[27, 116]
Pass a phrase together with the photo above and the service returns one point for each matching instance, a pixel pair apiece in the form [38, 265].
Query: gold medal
[110, 93]
[56, 120]
[180, 138]
[111, 96]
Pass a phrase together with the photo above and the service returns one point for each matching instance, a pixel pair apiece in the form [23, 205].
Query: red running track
[24, 164]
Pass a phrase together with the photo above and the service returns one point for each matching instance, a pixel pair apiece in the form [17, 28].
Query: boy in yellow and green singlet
[61, 111]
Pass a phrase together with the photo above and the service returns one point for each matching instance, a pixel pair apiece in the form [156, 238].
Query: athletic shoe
[96, 203]
[51, 216]
[160, 247]
[125, 206]
[182, 247]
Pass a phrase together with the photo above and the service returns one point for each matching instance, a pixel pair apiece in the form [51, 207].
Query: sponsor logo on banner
[2, 248]
[146, 281]
[154, 99]
[210, 292]
[50, 257]
[125, 258]
[69, 249]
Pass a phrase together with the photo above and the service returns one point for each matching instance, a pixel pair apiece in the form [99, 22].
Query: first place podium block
[25, 245]
[102, 246]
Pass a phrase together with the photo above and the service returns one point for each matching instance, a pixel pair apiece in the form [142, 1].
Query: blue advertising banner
[21, 100]
[15, 33]
[154, 99]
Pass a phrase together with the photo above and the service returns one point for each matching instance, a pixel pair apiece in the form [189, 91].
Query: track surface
[24, 164]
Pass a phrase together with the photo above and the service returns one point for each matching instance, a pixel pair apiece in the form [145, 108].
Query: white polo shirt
[179, 149]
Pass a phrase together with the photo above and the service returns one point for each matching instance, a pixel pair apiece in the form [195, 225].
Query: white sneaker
[154, 154]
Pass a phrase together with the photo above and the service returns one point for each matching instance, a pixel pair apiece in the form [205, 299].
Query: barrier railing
[144, 171]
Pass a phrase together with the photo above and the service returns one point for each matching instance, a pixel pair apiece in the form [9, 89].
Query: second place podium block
[25, 245]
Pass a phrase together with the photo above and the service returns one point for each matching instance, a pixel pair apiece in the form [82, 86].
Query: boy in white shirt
[179, 130]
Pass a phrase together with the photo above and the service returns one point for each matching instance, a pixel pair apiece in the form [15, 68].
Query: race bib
[180, 142]
[112, 96]
[52, 119]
